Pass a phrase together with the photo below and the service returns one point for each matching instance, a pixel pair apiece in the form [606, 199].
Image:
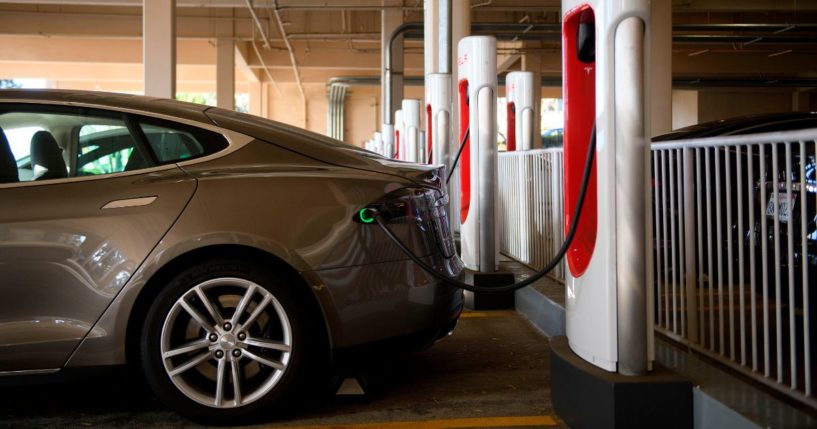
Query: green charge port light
[365, 216]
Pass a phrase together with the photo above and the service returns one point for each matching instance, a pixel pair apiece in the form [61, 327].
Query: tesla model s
[226, 256]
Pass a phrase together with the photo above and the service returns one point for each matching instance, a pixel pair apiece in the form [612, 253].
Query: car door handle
[130, 202]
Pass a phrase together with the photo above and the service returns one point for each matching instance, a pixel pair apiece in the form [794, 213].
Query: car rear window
[174, 142]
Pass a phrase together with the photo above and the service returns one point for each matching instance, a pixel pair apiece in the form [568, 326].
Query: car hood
[319, 147]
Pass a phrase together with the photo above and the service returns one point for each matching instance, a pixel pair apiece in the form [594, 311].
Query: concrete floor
[493, 372]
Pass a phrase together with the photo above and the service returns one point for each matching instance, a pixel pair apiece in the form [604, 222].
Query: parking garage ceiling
[715, 42]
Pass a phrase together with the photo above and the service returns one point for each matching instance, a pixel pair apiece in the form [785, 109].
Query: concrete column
[159, 47]
[460, 27]
[533, 63]
[660, 68]
[225, 73]
[431, 43]
[391, 19]
[684, 109]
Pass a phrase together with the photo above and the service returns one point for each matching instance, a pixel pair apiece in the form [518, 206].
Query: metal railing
[735, 248]
[530, 206]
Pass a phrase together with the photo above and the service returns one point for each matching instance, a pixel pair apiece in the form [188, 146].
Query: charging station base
[487, 300]
[585, 396]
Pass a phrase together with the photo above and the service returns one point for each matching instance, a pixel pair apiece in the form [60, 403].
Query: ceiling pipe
[293, 61]
[330, 109]
[387, 101]
[258, 24]
[342, 113]
[264, 66]
[416, 29]
[336, 111]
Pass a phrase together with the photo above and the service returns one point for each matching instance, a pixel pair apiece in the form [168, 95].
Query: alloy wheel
[226, 342]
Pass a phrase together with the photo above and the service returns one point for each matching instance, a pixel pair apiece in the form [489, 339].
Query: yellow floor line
[480, 314]
[476, 422]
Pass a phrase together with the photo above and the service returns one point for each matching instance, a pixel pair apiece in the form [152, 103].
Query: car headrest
[46, 157]
[8, 165]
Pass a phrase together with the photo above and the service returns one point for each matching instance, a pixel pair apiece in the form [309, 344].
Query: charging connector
[588, 166]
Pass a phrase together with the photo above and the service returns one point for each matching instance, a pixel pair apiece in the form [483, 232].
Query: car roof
[139, 103]
[745, 125]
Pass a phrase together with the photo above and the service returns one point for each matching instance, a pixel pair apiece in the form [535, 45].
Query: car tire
[223, 320]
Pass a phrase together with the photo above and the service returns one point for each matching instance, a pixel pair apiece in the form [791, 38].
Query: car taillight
[418, 215]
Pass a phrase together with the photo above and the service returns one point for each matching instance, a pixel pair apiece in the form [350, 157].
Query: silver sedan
[226, 256]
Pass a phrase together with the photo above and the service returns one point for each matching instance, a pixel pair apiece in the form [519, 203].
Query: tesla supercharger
[388, 140]
[606, 284]
[519, 93]
[438, 117]
[476, 63]
[378, 143]
[398, 136]
[411, 139]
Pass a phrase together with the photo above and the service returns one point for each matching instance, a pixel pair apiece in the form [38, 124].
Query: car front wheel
[226, 342]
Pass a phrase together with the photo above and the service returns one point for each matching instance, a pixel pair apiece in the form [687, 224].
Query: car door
[75, 225]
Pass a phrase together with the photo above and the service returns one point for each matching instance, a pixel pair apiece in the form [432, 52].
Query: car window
[57, 142]
[20, 141]
[105, 149]
[173, 142]
[171, 145]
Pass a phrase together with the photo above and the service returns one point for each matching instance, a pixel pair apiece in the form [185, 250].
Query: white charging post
[476, 62]
[378, 143]
[520, 95]
[438, 117]
[388, 140]
[607, 88]
[608, 302]
[411, 134]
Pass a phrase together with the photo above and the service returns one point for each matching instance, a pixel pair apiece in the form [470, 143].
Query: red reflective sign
[465, 158]
[580, 112]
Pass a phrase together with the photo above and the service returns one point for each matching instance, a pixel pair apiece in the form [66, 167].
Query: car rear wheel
[226, 342]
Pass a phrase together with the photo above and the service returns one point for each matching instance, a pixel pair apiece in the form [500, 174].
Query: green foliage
[9, 83]
[206, 98]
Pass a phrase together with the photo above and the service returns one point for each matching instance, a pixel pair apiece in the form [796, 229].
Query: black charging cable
[459, 152]
[588, 166]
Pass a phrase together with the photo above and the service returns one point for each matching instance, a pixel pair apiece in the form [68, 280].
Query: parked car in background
[786, 210]
[223, 255]
[553, 137]
[766, 221]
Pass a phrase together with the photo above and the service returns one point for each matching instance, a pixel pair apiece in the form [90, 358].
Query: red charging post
[511, 140]
[399, 149]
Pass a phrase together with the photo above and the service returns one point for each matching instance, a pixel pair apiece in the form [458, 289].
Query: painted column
[390, 20]
[225, 73]
[660, 67]
[532, 62]
[159, 47]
